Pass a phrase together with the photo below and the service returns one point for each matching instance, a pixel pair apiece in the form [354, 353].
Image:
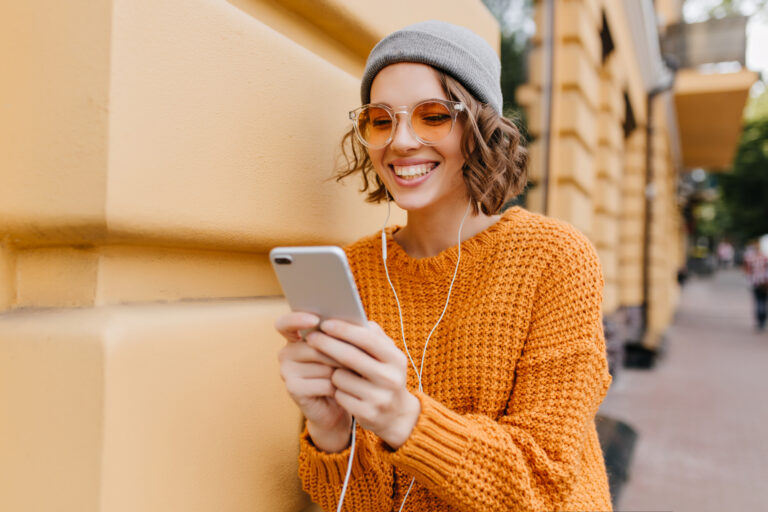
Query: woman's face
[438, 182]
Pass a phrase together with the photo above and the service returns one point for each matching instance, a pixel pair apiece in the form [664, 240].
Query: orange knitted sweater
[512, 379]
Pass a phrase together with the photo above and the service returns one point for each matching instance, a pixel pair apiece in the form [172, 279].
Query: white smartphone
[318, 280]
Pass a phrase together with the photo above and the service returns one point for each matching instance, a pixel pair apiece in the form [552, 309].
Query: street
[701, 414]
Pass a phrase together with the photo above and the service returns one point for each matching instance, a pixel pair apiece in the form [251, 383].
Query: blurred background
[151, 153]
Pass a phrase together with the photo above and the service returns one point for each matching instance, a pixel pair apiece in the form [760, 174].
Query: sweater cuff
[436, 445]
[331, 468]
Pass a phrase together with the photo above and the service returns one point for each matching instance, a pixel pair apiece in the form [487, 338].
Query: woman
[476, 383]
[756, 269]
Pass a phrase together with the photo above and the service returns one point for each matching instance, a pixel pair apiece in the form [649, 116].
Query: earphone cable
[400, 312]
[405, 344]
[397, 300]
[455, 271]
[349, 465]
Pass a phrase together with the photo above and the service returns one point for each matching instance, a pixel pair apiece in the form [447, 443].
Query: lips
[412, 171]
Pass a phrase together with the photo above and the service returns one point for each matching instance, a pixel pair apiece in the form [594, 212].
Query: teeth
[413, 170]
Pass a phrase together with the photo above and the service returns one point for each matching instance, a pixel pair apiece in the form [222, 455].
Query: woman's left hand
[372, 384]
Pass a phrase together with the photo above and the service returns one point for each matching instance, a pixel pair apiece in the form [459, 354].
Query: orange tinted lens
[431, 121]
[374, 125]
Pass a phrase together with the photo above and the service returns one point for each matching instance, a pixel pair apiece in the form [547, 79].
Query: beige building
[615, 127]
[153, 152]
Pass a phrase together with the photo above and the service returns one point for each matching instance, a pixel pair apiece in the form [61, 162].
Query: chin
[413, 204]
[410, 200]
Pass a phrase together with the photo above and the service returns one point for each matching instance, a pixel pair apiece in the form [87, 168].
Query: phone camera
[283, 260]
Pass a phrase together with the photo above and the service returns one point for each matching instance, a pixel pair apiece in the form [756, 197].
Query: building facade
[615, 123]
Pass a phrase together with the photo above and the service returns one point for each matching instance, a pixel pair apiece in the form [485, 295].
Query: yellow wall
[666, 232]
[597, 177]
[607, 193]
[153, 153]
[632, 220]
[586, 176]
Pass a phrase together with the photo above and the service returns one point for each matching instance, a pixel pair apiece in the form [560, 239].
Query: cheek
[376, 156]
[455, 160]
[453, 146]
[453, 153]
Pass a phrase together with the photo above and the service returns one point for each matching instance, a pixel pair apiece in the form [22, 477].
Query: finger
[291, 323]
[356, 386]
[353, 405]
[347, 355]
[303, 353]
[309, 370]
[308, 388]
[372, 340]
[382, 375]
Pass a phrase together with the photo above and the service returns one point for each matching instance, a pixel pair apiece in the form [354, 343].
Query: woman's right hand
[307, 376]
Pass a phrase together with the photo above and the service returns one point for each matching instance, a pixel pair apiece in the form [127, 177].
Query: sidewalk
[701, 414]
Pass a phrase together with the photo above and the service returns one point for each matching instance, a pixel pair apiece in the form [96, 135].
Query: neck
[429, 233]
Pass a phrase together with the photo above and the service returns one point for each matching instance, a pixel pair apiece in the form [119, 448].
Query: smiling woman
[476, 383]
[491, 145]
[420, 177]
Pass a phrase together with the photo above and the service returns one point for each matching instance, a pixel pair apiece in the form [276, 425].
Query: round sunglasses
[430, 121]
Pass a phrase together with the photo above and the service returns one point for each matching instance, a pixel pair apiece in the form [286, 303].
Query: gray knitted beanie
[454, 50]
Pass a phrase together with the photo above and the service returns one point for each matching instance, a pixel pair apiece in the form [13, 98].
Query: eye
[432, 113]
[381, 122]
[435, 118]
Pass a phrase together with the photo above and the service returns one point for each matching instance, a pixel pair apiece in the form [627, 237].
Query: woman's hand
[371, 384]
[307, 375]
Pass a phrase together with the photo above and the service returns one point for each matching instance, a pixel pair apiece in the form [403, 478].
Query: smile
[413, 171]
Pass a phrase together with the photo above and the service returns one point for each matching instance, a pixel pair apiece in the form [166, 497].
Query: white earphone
[418, 371]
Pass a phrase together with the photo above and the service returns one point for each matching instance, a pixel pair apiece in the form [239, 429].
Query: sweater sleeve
[528, 458]
[322, 475]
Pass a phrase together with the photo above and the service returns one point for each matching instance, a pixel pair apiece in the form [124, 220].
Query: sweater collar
[474, 248]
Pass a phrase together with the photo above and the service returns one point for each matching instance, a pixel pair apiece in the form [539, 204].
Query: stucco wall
[153, 153]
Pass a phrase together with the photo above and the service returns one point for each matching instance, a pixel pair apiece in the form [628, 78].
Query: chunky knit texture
[513, 376]
[451, 48]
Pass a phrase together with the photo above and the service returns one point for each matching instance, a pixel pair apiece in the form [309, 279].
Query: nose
[403, 140]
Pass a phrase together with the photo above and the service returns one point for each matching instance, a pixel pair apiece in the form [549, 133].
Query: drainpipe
[547, 92]
[650, 192]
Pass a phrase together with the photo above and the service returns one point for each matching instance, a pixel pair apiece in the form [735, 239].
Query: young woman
[476, 383]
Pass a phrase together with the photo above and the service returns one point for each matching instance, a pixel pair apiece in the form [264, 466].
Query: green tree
[757, 107]
[515, 18]
[742, 208]
[745, 189]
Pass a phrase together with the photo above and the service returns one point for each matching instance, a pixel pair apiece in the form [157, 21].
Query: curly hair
[495, 157]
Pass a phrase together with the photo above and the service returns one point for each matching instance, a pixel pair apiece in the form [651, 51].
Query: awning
[710, 116]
